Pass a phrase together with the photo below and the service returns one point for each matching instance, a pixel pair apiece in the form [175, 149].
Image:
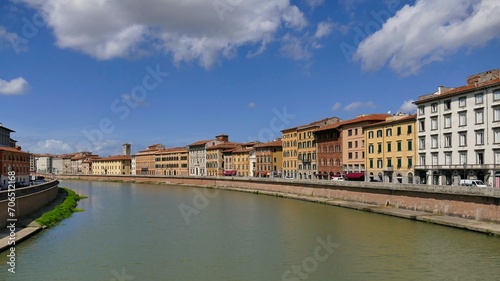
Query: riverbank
[28, 226]
[466, 224]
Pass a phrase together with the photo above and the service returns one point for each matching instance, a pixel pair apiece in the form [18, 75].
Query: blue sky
[92, 75]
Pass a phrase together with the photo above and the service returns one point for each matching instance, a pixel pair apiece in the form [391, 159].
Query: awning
[354, 175]
[229, 173]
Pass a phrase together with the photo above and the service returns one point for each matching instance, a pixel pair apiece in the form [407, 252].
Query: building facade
[353, 143]
[269, 159]
[329, 150]
[459, 132]
[114, 165]
[15, 160]
[145, 160]
[172, 162]
[391, 149]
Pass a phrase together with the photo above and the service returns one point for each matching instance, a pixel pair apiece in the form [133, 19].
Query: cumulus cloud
[17, 86]
[408, 107]
[324, 29]
[358, 104]
[195, 30]
[428, 31]
[52, 146]
[315, 3]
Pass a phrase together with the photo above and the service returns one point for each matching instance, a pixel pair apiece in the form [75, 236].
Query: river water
[159, 232]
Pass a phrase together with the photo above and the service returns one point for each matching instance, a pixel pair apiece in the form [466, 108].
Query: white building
[133, 165]
[459, 132]
[43, 163]
[198, 154]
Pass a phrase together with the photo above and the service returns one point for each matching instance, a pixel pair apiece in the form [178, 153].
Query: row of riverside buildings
[454, 135]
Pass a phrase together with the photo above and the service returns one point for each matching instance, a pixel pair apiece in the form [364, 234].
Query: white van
[478, 183]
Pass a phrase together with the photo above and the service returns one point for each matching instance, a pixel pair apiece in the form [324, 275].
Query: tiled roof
[329, 126]
[201, 142]
[457, 91]
[11, 149]
[224, 145]
[393, 121]
[114, 158]
[270, 144]
[364, 118]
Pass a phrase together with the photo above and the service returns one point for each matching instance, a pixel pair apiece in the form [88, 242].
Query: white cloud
[336, 106]
[251, 105]
[315, 3]
[17, 86]
[194, 30]
[11, 40]
[358, 104]
[52, 146]
[428, 31]
[295, 47]
[408, 107]
[324, 29]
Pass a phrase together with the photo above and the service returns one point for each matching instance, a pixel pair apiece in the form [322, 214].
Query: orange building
[269, 159]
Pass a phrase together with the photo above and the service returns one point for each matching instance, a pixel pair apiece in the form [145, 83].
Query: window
[479, 117]
[356, 155]
[463, 158]
[421, 124]
[349, 132]
[350, 155]
[370, 148]
[410, 162]
[389, 162]
[398, 131]
[379, 163]
[447, 158]
[399, 162]
[434, 123]
[497, 157]
[496, 114]
[379, 148]
[447, 140]
[447, 104]
[422, 159]
[355, 132]
[371, 163]
[421, 143]
[447, 121]
[389, 147]
[398, 145]
[462, 102]
[349, 144]
[479, 157]
[462, 119]
[462, 137]
[409, 129]
[434, 108]
[421, 109]
[434, 159]
[434, 141]
[496, 136]
[370, 134]
[379, 133]
[388, 132]
[496, 95]
[479, 98]
[410, 145]
[479, 137]
[356, 144]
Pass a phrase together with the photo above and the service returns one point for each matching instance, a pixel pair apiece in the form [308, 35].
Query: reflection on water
[137, 232]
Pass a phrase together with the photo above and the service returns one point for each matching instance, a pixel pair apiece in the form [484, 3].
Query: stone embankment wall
[28, 200]
[482, 204]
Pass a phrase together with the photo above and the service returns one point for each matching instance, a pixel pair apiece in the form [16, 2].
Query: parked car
[478, 183]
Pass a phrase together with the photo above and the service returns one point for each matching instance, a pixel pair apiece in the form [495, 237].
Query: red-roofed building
[269, 159]
[329, 150]
[198, 155]
[12, 158]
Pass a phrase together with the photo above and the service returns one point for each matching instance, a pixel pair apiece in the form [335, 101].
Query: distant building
[198, 154]
[172, 162]
[145, 160]
[12, 158]
[269, 159]
[329, 150]
[114, 165]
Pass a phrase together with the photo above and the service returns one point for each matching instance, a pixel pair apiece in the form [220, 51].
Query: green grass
[62, 211]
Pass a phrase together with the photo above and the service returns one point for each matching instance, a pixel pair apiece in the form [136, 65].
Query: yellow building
[289, 139]
[241, 160]
[172, 162]
[299, 149]
[269, 159]
[391, 149]
[114, 165]
[215, 158]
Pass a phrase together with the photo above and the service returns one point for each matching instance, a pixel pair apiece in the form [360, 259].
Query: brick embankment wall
[482, 204]
[27, 203]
